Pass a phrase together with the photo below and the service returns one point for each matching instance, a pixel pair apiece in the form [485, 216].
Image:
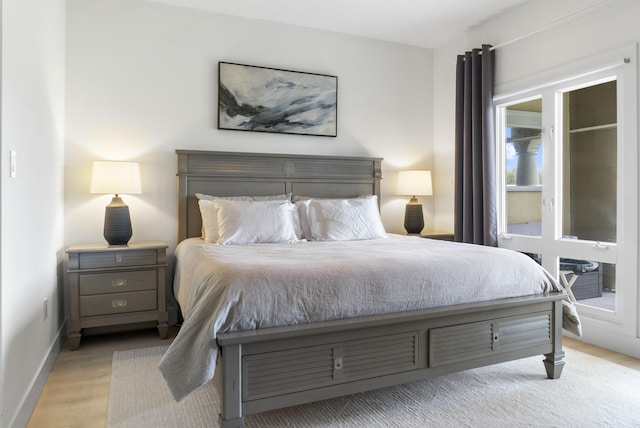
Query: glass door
[567, 188]
[589, 192]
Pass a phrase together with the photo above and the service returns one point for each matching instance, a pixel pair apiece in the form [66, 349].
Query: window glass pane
[592, 283]
[590, 163]
[523, 168]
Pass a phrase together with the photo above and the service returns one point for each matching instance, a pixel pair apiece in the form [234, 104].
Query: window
[589, 167]
[567, 183]
[523, 150]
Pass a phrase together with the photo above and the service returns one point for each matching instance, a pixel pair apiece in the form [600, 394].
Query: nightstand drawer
[117, 282]
[116, 303]
[117, 259]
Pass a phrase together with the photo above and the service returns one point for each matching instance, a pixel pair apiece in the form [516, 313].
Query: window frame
[619, 64]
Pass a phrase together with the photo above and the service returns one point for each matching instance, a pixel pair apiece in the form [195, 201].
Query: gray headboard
[259, 174]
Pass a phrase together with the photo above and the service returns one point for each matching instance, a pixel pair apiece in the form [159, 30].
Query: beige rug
[591, 393]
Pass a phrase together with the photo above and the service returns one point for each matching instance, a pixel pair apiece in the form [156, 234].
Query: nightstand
[442, 236]
[116, 285]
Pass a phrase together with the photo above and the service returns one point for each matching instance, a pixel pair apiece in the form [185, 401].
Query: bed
[389, 338]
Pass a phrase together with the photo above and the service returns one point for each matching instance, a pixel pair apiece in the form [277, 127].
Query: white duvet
[245, 287]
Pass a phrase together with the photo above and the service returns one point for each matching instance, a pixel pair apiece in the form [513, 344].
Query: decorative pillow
[209, 213]
[251, 222]
[345, 219]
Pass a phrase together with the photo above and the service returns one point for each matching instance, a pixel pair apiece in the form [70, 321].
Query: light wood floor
[77, 390]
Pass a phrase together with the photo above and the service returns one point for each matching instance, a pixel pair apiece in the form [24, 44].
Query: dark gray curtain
[475, 198]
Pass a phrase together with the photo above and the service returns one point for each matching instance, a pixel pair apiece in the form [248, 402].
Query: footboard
[279, 367]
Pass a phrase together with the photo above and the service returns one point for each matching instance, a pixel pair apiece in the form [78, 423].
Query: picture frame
[263, 99]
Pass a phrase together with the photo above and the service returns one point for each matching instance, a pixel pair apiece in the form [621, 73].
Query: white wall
[607, 26]
[31, 229]
[142, 82]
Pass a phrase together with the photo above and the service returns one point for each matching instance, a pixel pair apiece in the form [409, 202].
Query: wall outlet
[45, 308]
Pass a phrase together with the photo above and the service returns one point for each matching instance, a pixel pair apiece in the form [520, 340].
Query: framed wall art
[252, 98]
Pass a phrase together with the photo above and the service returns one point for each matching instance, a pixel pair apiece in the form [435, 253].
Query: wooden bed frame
[273, 368]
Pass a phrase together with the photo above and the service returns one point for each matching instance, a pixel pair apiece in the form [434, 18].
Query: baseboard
[595, 335]
[31, 399]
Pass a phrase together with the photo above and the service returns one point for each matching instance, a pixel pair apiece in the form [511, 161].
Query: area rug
[591, 393]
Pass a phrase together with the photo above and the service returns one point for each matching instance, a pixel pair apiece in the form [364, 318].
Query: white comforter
[234, 288]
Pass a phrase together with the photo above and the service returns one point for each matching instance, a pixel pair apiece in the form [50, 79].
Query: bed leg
[554, 361]
[553, 364]
[231, 387]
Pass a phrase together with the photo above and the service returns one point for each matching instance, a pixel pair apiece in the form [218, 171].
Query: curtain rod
[550, 25]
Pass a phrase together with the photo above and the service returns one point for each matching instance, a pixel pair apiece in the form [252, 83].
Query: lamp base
[413, 218]
[117, 222]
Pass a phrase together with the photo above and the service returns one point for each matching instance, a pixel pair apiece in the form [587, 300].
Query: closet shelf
[594, 128]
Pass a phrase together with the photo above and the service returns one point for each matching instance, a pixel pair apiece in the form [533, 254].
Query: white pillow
[303, 218]
[251, 222]
[302, 202]
[345, 219]
[209, 214]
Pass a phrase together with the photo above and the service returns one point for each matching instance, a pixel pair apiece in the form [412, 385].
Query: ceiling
[425, 23]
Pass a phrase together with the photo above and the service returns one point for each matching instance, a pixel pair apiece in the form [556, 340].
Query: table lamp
[116, 178]
[414, 183]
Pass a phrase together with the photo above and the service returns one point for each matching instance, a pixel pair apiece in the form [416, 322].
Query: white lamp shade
[414, 183]
[116, 177]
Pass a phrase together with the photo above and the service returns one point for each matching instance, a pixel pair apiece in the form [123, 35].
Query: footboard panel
[470, 341]
[281, 367]
[299, 369]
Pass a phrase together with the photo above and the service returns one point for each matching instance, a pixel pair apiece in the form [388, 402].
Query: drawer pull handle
[119, 282]
[119, 303]
[118, 258]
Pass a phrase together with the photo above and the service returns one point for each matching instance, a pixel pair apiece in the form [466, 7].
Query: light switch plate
[12, 164]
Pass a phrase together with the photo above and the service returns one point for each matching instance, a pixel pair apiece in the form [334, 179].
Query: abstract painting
[262, 99]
